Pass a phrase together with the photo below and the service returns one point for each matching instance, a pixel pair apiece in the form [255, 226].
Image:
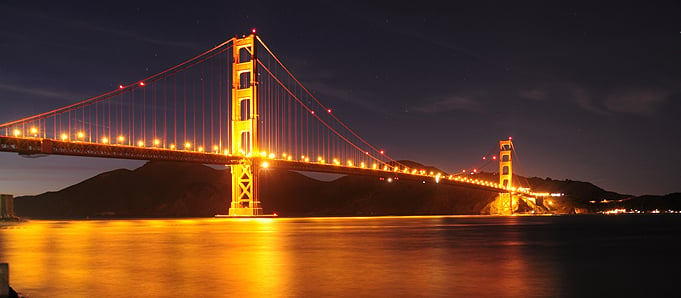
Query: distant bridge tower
[505, 166]
[244, 122]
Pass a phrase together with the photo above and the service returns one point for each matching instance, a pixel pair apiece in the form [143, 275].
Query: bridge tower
[244, 122]
[505, 166]
[506, 176]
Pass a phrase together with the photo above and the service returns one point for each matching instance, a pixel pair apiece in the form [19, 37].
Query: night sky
[589, 92]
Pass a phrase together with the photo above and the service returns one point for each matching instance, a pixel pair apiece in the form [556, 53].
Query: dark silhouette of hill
[167, 189]
[155, 189]
[175, 189]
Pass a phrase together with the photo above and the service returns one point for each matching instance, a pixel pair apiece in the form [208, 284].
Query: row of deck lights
[187, 146]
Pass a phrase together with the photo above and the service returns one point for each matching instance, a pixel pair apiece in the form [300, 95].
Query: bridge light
[374, 166]
[200, 149]
[187, 145]
[312, 112]
[272, 155]
[263, 153]
[349, 163]
[390, 180]
[381, 151]
[494, 157]
[81, 135]
[264, 164]
[64, 137]
[307, 159]
[475, 170]
[105, 140]
[289, 157]
[319, 158]
[140, 143]
[34, 130]
[172, 146]
[216, 149]
[484, 157]
[329, 110]
[120, 86]
[253, 30]
[283, 155]
[17, 133]
[141, 83]
[510, 138]
[226, 152]
[361, 165]
[121, 139]
[156, 142]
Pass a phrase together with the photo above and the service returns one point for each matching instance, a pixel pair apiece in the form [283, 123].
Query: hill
[173, 189]
[168, 189]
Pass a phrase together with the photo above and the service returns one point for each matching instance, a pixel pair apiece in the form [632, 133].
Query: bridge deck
[39, 146]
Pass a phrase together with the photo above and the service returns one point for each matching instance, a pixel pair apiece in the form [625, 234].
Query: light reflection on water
[380, 256]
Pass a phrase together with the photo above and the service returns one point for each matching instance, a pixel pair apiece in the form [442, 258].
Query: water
[564, 256]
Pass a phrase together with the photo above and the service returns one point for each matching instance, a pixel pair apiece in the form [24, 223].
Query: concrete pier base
[4, 280]
[6, 206]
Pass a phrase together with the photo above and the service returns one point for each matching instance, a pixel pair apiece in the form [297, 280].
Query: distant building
[6, 206]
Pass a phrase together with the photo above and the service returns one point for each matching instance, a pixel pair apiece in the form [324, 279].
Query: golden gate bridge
[237, 105]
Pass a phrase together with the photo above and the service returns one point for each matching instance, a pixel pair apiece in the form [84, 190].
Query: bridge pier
[7, 206]
[504, 204]
[245, 186]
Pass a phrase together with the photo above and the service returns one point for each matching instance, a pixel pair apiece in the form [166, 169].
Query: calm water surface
[319, 257]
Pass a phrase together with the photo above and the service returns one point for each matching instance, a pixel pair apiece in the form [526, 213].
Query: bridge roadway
[39, 146]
